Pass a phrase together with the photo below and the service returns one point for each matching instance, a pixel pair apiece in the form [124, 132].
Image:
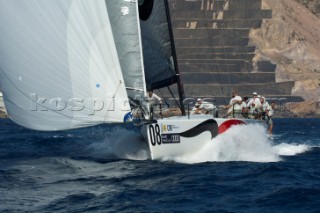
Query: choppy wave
[59, 172]
[120, 143]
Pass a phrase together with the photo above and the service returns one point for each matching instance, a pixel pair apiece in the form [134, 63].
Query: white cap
[259, 96]
[255, 93]
[199, 99]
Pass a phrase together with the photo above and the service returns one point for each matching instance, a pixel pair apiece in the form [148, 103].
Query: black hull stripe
[208, 125]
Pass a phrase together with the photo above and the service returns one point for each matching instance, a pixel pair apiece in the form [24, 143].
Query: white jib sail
[59, 65]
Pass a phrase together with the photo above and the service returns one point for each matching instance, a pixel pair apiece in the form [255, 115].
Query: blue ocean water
[106, 169]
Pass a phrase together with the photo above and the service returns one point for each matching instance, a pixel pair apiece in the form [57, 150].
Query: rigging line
[174, 56]
[225, 54]
[163, 99]
[212, 47]
[226, 3]
[174, 98]
[114, 95]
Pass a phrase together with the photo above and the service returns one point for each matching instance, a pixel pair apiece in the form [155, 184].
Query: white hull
[178, 136]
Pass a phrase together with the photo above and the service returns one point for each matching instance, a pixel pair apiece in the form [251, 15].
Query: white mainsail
[59, 66]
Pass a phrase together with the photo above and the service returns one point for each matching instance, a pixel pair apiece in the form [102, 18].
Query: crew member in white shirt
[234, 107]
[153, 100]
[254, 105]
[269, 114]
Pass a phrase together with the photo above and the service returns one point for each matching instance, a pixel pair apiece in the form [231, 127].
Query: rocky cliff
[312, 5]
[291, 39]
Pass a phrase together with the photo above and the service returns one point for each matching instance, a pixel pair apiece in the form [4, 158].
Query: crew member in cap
[197, 109]
[264, 107]
[254, 105]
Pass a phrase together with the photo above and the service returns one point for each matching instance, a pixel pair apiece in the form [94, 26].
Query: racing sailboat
[69, 64]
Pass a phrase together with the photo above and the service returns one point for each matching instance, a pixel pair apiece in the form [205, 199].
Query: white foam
[239, 143]
[285, 149]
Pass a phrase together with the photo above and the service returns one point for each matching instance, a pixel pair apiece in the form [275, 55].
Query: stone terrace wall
[215, 53]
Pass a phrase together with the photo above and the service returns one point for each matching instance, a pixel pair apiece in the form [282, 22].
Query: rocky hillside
[312, 5]
[304, 109]
[291, 39]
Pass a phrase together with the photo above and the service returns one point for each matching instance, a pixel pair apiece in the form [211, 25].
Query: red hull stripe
[227, 124]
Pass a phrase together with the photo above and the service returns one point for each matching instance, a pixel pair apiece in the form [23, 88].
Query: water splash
[244, 143]
[120, 143]
[240, 143]
[285, 149]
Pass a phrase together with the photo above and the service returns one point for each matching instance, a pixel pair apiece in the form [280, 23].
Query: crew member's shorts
[269, 121]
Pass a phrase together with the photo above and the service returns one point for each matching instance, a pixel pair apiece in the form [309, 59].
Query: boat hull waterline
[179, 136]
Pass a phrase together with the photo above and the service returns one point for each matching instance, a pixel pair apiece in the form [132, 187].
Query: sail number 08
[155, 137]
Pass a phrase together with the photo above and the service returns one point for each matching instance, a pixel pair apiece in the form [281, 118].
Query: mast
[179, 83]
